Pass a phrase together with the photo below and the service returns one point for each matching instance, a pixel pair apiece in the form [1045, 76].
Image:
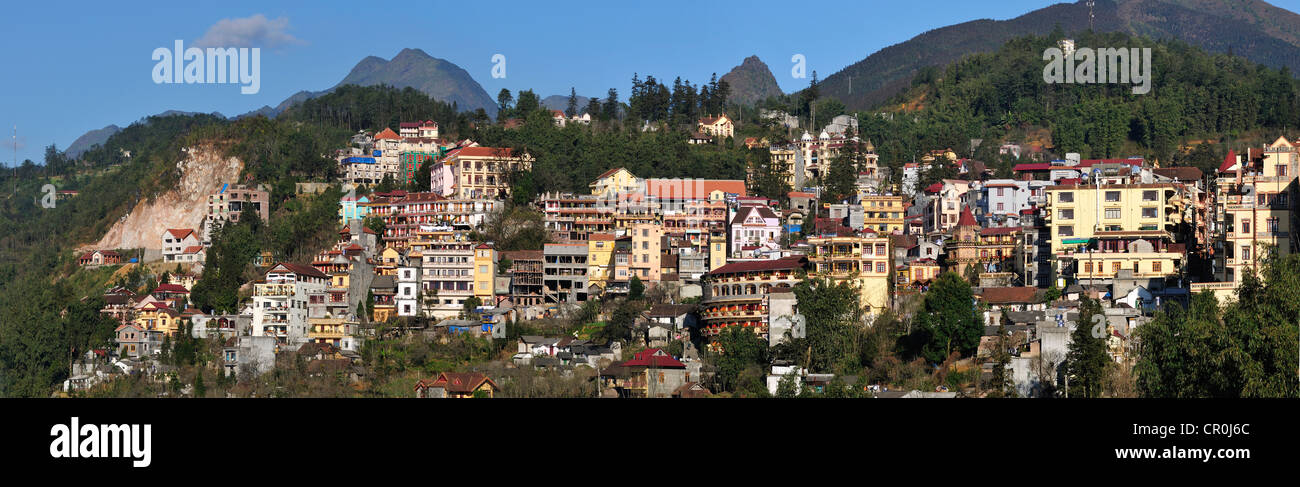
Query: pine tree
[573, 103]
[1087, 364]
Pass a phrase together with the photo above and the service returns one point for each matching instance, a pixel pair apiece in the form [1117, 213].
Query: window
[1067, 214]
[1087, 267]
[1112, 213]
[1114, 267]
[1066, 197]
[1149, 212]
[1245, 252]
[1065, 231]
[1155, 266]
[1272, 225]
[1245, 225]
[1001, 207]
[1282, 200]
[1112, 196]
[1149, 196]
[880, 267]
[1281, 170]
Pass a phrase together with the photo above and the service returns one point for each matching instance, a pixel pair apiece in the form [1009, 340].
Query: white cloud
[255, 31]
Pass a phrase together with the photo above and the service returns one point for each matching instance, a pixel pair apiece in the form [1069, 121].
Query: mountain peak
[751, 81]
[412, 53]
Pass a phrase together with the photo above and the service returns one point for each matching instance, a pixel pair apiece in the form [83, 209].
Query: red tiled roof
[458, 382]
[655, 358]
[305, 270]
[934, 188]
[193, 249]
[967, 218]
[171, 288]
[692, 188]
[1068, 181]
[486, 152]
[387, 134]
[1040, 166]
[1009, 295]
[1228, 161]
[180, 233]
[601, 236]
[784, 263]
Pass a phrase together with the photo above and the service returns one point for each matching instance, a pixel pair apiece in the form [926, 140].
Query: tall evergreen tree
[1087, 364]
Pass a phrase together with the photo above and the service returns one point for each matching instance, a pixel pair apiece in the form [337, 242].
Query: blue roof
[359, 160]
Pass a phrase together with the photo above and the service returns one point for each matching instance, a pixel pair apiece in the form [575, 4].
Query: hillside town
[1125, 232]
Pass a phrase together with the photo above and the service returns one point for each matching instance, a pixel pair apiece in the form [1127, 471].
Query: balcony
[273, 290]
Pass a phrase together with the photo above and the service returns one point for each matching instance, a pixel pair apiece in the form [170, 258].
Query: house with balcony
[456, 385]
[650, 373]
[736, 294]
[1096, 232]
[863, 261]
[754, 225]
[179, 244]
[136, 341]
[1254, 209]
[281, 301]
[994, 250]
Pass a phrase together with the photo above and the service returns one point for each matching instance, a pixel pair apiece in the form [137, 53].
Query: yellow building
[485, 271]
[1096, 233]
[717, 249]
[600, 255]
[1253, 208]
[330, 331]
[720, 126]
[863, 261]
[615, 181]
[160, 318]
[883, 214]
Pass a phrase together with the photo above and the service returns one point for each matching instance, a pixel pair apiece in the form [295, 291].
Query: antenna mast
[1091, 3]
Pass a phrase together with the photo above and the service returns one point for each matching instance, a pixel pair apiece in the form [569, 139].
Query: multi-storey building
[600, 257]
[409, 298]
[571, 217]
[281, 302]
[736, 294]
[647, 246]
[231, 201]
[338, 332]
[180, 245]
[754, 225]
[990, 250]
[526, 271]
[720, 127]
[407, 214]
[353, 208]
[387, 154]
[945, 203]
[863, 261]
[565, 272]
[616, 181]
[1096, 232]
[485, 272]
[1254, 209]
[478, 172]
[882, 213]
[447, 278]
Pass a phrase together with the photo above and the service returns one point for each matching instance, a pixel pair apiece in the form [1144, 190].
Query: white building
[281, 302]
[407, 299]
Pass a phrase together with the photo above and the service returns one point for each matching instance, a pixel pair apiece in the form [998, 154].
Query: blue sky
[77, 66]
